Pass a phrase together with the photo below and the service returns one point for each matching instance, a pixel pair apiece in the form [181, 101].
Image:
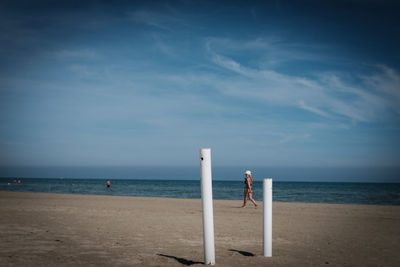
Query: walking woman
[248, 189]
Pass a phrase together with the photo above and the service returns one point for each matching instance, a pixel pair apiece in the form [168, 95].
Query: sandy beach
[38, 229]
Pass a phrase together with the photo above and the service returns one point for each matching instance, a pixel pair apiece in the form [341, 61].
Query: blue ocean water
[314, 192]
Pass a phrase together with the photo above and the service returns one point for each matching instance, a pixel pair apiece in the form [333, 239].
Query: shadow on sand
[181, 260]
[244, 253]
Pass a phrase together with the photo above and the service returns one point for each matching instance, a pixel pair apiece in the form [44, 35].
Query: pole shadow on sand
[244, 253]
[181, 260]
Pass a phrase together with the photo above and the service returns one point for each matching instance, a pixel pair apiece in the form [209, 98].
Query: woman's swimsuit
[245, 182]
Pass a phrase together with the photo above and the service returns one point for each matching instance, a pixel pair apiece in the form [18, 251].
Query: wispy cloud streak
[326, 94]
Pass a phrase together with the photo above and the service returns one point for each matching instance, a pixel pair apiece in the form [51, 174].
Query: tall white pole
[267, 211]
[207, 203]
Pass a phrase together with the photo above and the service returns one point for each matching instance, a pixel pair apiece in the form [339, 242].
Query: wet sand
[84, 230]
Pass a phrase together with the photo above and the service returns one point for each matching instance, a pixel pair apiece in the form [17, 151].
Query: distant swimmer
[108, 183]
[248, 189]
[14, 181]
[19, 181]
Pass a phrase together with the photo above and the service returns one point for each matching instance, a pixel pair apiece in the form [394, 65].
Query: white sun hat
[248, 172]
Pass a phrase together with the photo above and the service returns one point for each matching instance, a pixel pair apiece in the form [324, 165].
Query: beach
[41, 229]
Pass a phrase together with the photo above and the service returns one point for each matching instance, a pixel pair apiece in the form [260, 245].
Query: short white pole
[267, 211]
[207, 203]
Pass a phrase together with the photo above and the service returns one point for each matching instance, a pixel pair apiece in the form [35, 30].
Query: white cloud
[272, 51]
[386, 83]
[229, 64]
[312, 109]
[325, 94]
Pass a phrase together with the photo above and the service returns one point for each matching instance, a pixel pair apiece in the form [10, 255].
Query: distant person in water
[108, 183]
[19, 181]
[248, 189]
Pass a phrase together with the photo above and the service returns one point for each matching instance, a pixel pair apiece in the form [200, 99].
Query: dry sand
[83, 230]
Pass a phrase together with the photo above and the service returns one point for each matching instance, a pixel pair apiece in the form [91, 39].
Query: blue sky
[263, 83]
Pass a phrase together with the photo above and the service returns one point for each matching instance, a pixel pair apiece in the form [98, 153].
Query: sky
[140, 83]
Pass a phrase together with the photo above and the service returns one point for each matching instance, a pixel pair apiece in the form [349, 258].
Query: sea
[308, 192]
